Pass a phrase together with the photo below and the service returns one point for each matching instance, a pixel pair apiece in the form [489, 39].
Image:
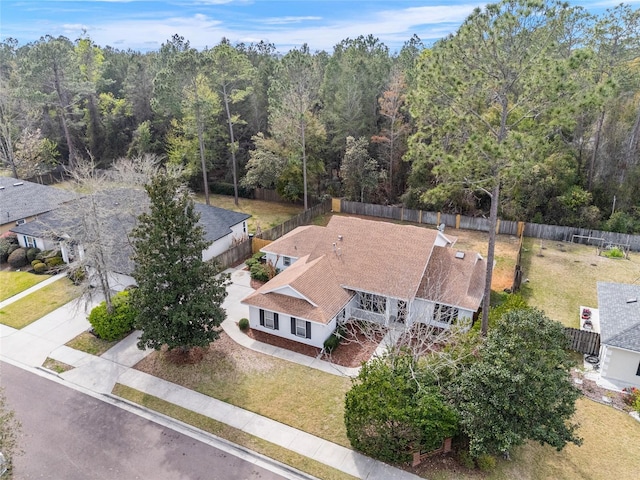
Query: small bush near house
[243, 324]
[632, 398]
[35, 262]
[7, 245]
[255, 258]
[32, 254]
[54, 261]
[259, 272]
[39, 267]
[331, 343]
[18, 258]
[76, 275]
[117, 324]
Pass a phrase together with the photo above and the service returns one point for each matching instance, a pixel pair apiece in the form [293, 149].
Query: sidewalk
[46, 338]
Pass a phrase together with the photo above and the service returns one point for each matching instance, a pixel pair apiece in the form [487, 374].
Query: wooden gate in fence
[583, 341]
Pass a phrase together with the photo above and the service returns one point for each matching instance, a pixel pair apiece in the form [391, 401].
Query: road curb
[238, 450]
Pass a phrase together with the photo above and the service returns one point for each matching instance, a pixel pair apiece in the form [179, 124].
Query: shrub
[76, 275]
[18, 258]
[614, 252]
[35, 262]
[632, 398]
[486, 463]
[7, 245]
[39, 267]
[32, 254]
[243, 324]
[54, 261]
[466, 460]
[331, 343]
[117, 324]
[259, 272]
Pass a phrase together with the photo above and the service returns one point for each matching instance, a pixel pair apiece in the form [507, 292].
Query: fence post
[498, 226]
[438, 219]
[458, 221]
[420, 217]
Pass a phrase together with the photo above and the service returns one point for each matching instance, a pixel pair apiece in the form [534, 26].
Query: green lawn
[12, 283]
[302, 397]
[265, 214]
[562, 276]
[232, 434]
[88, 343]
[28, 309]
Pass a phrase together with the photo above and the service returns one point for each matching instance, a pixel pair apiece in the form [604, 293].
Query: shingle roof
[619, 308]
[27, 199]
[366, 255]
[217, 223]
[454, 278]
[371, 256]
[324, 298]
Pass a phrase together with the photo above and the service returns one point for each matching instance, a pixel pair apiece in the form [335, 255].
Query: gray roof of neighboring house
[619, 309]
[21, 199]
[217, 223]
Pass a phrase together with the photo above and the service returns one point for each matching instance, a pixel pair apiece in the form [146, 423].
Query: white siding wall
[278, 261]
[238, 232]
[621, 365]
[319, 332]
[41, 243]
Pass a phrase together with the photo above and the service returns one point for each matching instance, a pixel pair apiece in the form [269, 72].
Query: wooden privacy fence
[235, 254]
[504, 227]
[583, 341]
[304, 218]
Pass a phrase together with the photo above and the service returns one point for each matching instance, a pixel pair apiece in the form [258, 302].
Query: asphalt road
[69, 435]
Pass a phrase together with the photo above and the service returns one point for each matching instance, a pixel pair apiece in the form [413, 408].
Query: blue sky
[145, 24]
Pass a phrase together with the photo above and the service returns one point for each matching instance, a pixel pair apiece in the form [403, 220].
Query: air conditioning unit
[22, 221]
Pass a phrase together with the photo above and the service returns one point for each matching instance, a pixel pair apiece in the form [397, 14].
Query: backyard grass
[12, 283]
[289, 393]
[36, 305]
[264, 214]
[562, 276]
[232, 434]
[89, 343]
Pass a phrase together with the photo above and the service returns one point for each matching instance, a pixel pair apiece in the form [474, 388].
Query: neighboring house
[22, 201]
[369, 270]
[118, 210]
[619, 310]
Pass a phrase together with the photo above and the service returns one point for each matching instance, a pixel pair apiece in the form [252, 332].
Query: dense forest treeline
[531, 108]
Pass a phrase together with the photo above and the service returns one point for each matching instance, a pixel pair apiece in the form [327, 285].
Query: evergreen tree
[179, 295]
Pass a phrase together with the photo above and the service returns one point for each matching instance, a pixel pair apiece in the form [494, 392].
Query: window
[30, 242]
[445, 313]
[286, 261]
[244, 227]
[638, 371]
[341, 317]
[300, 328]
[269, 319]
[372, 303]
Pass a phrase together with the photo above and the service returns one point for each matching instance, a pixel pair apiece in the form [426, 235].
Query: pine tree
[179, 295]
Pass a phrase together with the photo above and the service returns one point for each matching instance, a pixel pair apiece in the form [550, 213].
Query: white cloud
[288, 20]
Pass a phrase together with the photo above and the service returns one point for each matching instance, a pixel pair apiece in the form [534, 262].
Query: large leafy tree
[488, 105]
[390, 412]
[179, 295]
[359, 170]
[520, 388]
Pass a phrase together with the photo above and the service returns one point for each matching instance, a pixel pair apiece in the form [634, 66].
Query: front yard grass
[89, 343]
[232, 434]
[36, 305]
[562, 276]
[264, 214]
[302, 397]
[12, 283]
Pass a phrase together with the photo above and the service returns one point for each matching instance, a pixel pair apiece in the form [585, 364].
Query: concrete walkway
[31, 345]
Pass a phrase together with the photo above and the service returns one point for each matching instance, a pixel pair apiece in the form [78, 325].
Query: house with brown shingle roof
[367, 270]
